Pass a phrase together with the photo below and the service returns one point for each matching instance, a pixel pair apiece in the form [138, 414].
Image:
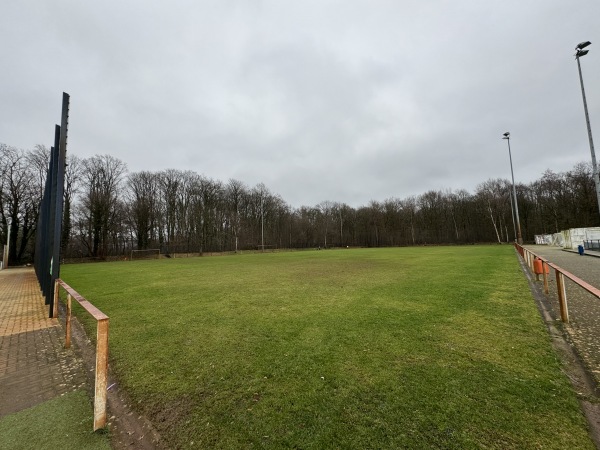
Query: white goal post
[150, 253]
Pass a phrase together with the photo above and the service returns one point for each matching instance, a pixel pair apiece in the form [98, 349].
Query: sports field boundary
[127, 426]
[578, 372]
[101, 366]
[539, 265]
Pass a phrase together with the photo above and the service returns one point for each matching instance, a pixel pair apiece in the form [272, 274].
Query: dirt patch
[171, 414]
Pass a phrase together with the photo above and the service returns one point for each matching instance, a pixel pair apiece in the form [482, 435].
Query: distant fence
[540, 267]
[101, 376]
[593, 244]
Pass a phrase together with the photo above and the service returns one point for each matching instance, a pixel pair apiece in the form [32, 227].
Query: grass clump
[374, 348]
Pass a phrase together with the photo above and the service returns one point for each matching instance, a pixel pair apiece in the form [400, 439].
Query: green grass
[436, 347]
[62, 423]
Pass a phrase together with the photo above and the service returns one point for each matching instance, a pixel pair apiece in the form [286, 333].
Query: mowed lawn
[431, 347]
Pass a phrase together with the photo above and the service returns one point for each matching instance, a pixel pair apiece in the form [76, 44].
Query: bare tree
[102, 175]
[326, 210]
[73, 174]
[19, 199]
[494, 194]
[410, 208]
[170, 183]
[142, 195]
[234, 194]
[189, 212]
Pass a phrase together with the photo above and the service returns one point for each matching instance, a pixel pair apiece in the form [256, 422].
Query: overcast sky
[345, 101]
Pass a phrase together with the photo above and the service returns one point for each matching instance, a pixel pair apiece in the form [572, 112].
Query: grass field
[435, 347]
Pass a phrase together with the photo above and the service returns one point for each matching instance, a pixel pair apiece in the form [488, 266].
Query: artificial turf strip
[435, 347]
[62, 423]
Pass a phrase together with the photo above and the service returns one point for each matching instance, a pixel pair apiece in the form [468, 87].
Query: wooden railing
[100, 389]
[560, 273]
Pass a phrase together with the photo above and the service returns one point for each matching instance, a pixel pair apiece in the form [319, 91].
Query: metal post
[47, 279]
[512, 214]
[589, 129]
[512, 174]
[61, 153]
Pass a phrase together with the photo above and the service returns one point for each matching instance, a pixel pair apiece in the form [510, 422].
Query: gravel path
[584, 308]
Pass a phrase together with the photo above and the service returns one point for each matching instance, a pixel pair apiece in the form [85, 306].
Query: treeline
[109, 211]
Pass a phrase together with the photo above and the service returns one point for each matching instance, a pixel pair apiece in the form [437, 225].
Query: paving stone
[34, 365]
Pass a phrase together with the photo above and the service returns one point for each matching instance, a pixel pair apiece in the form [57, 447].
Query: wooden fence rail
[560, 275]
[100, 389]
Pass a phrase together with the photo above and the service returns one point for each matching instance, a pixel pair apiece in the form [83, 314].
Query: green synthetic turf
[62, 423]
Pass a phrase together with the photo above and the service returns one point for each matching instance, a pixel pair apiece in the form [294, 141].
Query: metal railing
[101, 375]
[561, 274]
[592, 244]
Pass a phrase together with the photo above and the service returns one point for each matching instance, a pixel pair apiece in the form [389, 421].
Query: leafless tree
[142, 196]
[235, 192]
[20, 196]
[102, 176]
[73, 174]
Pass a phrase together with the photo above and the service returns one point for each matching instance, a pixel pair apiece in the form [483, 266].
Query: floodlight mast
[579, 52]
[519, 236]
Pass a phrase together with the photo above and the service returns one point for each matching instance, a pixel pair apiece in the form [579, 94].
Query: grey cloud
[342, 101]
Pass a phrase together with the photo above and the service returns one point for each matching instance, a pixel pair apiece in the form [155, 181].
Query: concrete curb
[593, 253]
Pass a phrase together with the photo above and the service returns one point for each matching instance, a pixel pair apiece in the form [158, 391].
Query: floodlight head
[582, 45]
[581, 53]
[506, 135]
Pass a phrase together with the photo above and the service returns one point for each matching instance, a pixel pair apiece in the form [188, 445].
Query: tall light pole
[519, 236]
[579, 52]
[512, 214]
[262, 221]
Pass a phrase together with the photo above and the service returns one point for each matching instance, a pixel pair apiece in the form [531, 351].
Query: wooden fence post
[562, 296]
[545, 276]
[531, 261]
[55, 303]
[101, 375]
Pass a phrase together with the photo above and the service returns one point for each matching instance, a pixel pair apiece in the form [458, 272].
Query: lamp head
[506, 135]
[581, 53]
[582, 45]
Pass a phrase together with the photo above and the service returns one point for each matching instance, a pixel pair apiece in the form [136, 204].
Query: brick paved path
[34, 366]
[584, 308]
